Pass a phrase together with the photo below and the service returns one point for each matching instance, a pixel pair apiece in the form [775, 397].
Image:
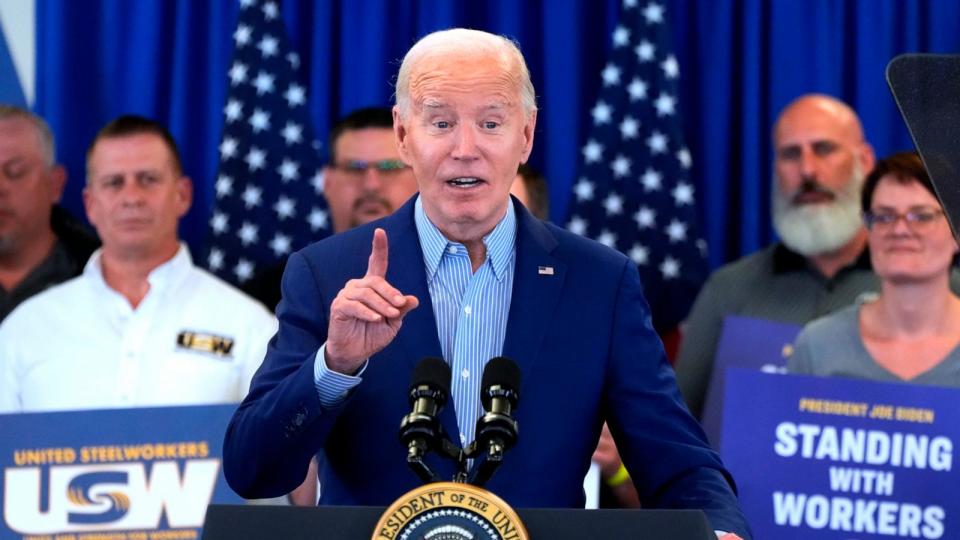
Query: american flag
[269, 187]
[634, 191]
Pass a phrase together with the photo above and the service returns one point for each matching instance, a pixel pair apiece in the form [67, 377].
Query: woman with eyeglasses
[910, 331]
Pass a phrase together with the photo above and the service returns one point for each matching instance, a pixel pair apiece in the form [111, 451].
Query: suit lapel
[537, 283]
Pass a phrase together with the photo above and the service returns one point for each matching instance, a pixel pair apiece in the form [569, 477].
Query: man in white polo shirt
[142, 326]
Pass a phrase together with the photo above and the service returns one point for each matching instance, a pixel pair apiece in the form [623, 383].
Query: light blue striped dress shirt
[470, 308]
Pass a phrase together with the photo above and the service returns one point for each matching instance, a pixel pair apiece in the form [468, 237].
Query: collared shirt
[193, 339]
[470, 309]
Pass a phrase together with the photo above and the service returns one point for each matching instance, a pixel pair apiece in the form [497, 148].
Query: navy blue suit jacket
[586, 348]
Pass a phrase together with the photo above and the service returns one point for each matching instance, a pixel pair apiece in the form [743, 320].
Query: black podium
[251, 522]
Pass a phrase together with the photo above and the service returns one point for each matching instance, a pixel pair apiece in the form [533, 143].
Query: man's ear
[184, 195]
[58, 179]
[400, 134]
[529, 127]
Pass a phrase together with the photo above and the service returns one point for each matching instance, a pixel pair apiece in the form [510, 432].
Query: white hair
[40, 128]
[815, 229]
[470, 43]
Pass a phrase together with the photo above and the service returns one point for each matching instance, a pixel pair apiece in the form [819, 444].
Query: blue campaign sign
[840, 458]
[744, 342]
[125, 474]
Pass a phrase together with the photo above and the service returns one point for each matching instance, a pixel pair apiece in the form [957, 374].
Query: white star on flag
[639, 254]
[248, 232]
[601, 113]
[583, 189]
[280, 244]
[676, 231]
[645, 217]
[611, 75]
[577, 225]
[665, 104]
[259, 120]
[637, 89]
[645, 51]
[242, 35]
[295, 95]
[233, 111]
[621, 37]
[657, 143]
[292, 133]
[683, 193]
[653, 13]
[620, 166]
[238, 74]
[263, 83]
[651, 180]
[268, 46]
[593, 151]
[317, 219]
[613, 204]
[219, 223]
[224, 186]
[288, 170]
[252, 196]
[285, 208]
[629, 128]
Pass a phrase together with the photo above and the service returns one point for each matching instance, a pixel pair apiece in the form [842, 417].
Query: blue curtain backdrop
[741, 61]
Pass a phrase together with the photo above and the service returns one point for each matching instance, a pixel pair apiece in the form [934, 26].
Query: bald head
[819, 109]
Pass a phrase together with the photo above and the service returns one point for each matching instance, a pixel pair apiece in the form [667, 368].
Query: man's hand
[366, 314]
[606, 455]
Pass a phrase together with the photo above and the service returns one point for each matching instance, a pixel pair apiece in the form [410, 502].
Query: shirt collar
[500, 242]
[168, 273]
[786, 260]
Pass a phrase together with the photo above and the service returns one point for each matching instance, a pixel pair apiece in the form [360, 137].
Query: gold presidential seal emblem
[449, 511]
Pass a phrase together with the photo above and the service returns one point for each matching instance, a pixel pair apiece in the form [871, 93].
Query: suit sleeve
[281, 424]
[663, 447]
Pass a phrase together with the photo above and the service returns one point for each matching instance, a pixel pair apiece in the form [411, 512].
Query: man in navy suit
[471, 275]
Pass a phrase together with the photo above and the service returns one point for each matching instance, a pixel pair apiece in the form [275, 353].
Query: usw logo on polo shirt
[77, 498]
[207, 343]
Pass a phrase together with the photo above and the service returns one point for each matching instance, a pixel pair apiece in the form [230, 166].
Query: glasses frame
[914, 219]
[360, 167]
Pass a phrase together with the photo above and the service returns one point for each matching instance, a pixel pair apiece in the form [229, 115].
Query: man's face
[28, 186]
[819, 164]
[816, 150]
[134, 197]
[363, 184]
[464, 137]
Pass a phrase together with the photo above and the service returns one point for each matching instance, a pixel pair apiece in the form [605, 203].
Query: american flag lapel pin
[545, 270]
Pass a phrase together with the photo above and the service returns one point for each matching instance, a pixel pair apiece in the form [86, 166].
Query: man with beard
[820, 264]
[364, 180]
[141, 326]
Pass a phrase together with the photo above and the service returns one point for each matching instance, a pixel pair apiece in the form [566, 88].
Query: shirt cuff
[332, 387]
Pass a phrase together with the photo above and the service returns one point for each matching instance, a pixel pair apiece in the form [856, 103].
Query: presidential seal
[449, 511]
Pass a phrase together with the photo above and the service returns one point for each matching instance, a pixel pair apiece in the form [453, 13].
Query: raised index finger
[377, 266]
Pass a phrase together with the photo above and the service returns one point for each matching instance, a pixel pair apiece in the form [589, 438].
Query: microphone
[420, 430]
[496, 430]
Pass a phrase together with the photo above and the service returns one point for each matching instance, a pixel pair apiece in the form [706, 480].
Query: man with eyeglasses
[820, 263]
[364, 180]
